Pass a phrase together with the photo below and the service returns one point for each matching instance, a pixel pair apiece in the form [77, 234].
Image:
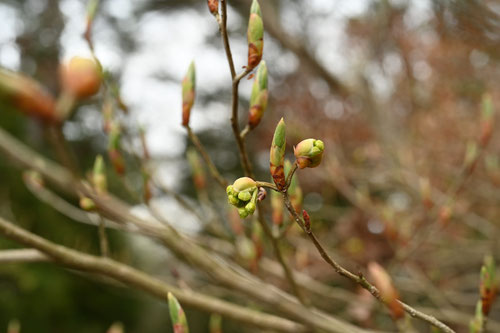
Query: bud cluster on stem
[243, 195]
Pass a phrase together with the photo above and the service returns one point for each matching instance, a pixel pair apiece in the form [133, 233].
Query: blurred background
[393, 88]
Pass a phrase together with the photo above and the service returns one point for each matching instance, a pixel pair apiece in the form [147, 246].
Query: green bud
[259, 96]
[244, 183]
[177, 315]
[255, 36]
[277, 155]
[188, 93]
[87, 204]
[243, 195]
[99, 175]
[477, 323]
[309, 153]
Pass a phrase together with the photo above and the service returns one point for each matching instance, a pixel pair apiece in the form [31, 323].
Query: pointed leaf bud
[477, 323]
[188, 93]
[177, 315]
[258, 98]
[255, 36]
[309, 153]
[27, 95]
[99, 175]
[243, 195]
[488, 287]
[197, 171]
[277, 155]
[81, 77]
[389, 294]
[213, 6]
[487, 118]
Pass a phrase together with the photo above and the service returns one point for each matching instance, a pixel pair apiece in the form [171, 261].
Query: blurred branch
[22, 255]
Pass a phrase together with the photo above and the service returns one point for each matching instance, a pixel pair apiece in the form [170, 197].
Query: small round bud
[309, 153]
[80, 77]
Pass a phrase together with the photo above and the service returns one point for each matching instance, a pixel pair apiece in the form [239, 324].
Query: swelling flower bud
[255, 36]
[27, 96]
[277, 155]
[188, 94]
[258, 98]
[243, 195]
[81, 77]
[309, 153]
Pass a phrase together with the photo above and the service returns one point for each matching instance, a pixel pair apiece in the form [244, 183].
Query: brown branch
[358, 279]
[139, 280]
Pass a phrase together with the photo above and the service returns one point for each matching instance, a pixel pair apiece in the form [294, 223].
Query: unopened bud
[243, 195]
[177, 315]
[27, 96]
[255, 36]
[389, 294]
[213, 6]
[476, 325]
[277, 155]
[81, 77]
[258, 98]
[87, 204]
[307, 220]
[309, 153]
[488, 286]
[197, 171]
[188, 93]
[99, 175]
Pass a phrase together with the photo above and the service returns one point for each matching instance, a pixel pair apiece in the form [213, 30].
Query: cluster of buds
[27, 96]
[243, 195]
[255, 36]
[488, 287]
[277, 155]
[177, 315]
[114, 153]
[81, 77]
[199, 177]
[388, 292]
[309, 153]
[258, 98]
[188, 93]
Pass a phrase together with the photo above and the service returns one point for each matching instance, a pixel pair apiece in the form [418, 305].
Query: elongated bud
[81, 77]
[294, 190]
[488, 287]
[147, 193]
[177, 315]
[277, 206]
[99, 175]
[215, 323]
[27, 96]
[243, 195]
[255, 36]
[199, 176]
[277, 155]
[188, 93]
[258, 98]
[487, 119]
[307, 220]
[116, 328]
[309, 153]
[213, 6]
[114, 153]
[476, 325]
[389, 294]
[87, 204]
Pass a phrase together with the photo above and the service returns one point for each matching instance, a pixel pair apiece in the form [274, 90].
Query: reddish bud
[80, 77]
[213, 6]
[307, 220]
[389, 294]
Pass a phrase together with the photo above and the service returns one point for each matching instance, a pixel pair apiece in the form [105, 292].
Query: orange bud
[27, 95]
[81, 77]
[389, 294]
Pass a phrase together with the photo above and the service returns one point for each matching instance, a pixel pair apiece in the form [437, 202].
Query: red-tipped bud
[80, 77]
[307, 220]
[27, 95]
[213, 6]
[277, 155]
[258, 98]
[488, 286]
[177, 315]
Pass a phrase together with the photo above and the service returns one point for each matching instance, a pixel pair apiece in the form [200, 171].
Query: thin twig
[359, 279]
[211, 166]
[103, 239]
